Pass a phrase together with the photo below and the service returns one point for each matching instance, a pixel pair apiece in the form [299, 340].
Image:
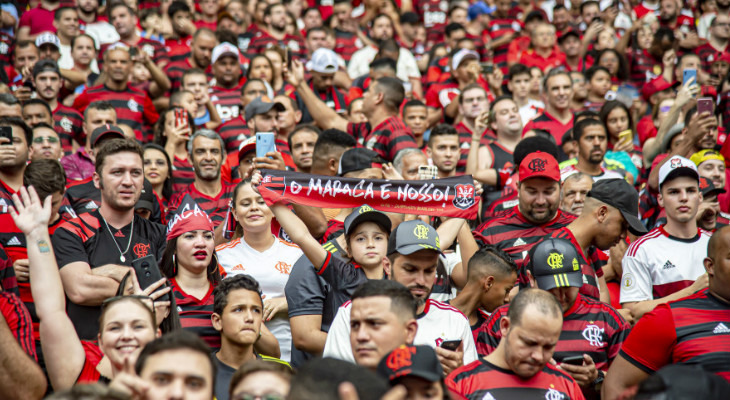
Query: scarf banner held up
[449, 197]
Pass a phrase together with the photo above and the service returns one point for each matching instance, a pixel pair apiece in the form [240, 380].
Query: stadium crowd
[557, 223]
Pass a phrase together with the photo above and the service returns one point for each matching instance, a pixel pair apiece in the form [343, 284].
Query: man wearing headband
[95, 250]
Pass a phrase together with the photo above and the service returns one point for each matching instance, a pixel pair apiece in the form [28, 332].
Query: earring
[174, 265]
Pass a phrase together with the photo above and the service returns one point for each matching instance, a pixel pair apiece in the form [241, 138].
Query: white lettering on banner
[295, 188]
[428, 192]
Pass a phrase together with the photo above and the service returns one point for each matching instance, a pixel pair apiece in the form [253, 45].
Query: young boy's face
[198, 85]
[368, 244]
[188, 103]
[519, 85]
[600, 83]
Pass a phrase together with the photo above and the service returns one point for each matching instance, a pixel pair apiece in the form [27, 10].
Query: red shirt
[530, 58]
[38, 20]
[179, 46]
[548, 123]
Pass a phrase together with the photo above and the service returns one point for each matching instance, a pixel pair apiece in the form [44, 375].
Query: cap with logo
[620, 195]
[47, 38]
[539, 165]
[323, 61]
[104, 132]
[365, 213]
[461, 56]
[675, 167]
[224, 49]
[412, 236]
[708, 188]
[706, 155]
[45, 65]
[554, 264]
[146, 198]
[247, 146]
[261, 105]
[408, 360]
[358, 159]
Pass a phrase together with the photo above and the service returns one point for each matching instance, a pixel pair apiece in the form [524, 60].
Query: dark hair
[393, 92]
[608, 107]
[388, 45]
[412, 103]
[159, 131]
[689, 114]
[320, 379]
[9, 99]
[193, 71]
[168, 324]
[492, 261]
[250, 81]
[270, 7]
[101, 105]
[46, 176]
[518, 69]
[623, 65]
[114, 146]
[442, 130]
[303, 128]
[177, 6]
[42, 103]
[80, 35]
[546, 303]
[18, 122]
[580, 127]
[226, 286]
[251, 367]
[532, 144]
[453, 27]
[90, 391]
[585, 114]
[169, 263]
[553, 73]
[331, 139]
[402, 302]
[256, 57]
[178, 340]
[383, 63]
[22, 44]
[471, 86]
[588, 3]
[114, 5]
[592, 71]
[110, 302]
[167, 185]
[60, 10]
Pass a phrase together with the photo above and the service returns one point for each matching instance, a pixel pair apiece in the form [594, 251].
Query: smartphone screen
[7, 132]
[265, 143]
[704, 104]
[689, 73]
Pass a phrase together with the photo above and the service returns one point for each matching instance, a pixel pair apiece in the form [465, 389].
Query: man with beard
[134, 107]
[225, 93]
[211, 194]
[670, 16]
[13, 158]
[95, 250]
[275, 33]
[666, 263]
[717, 41]
[592, 143]
[557, 117]
[413, 251]
[201, 50]
[542, 52]
[473, 103]
[521, 361]
[443, 149]
[573, 193]
[125, 22]
[67, 122]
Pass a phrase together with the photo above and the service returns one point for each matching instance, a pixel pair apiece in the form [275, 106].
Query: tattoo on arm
[43, 246]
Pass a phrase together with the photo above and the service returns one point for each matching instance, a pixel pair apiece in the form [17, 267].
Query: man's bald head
[718, 243]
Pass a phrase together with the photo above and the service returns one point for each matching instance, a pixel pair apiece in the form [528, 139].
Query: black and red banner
[449, 197]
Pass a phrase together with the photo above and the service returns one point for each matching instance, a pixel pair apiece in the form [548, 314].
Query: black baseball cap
[358, 159]
[412, 236]
[365, 213]
[106, 131]
[554, 264]
[409, 360]
[708, 188]
[619, 194]
[146, 198]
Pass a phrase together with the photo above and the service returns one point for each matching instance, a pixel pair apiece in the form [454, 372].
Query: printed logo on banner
[464, 197]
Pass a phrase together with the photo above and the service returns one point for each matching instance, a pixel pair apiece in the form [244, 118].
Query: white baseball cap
[462, 55]
[323, 61]
[47, 38]
[675, 167]
[224, 49]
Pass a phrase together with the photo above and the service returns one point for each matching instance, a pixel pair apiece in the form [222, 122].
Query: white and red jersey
[606, 173]
[644, 8]
[439, 322]
[657, 264]
[271, 269]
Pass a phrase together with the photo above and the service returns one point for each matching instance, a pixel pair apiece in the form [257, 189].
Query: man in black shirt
[95, 250]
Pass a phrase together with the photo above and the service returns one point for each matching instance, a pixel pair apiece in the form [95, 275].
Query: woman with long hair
[158, 171]
[262, 68]
[621, 130]
[276, 56]
[172, 134]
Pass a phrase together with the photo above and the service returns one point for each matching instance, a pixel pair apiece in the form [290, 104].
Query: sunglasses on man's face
[41, 139]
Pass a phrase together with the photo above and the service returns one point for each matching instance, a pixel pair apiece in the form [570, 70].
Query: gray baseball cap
[412, 236]
[261, 106]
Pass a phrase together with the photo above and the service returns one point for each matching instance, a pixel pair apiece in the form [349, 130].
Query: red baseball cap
[656, 85]
[539, 165]
[723, 57]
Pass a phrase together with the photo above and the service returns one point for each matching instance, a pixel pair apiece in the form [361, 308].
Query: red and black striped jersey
[433, 14]
[87, 240]
[7, 48]
[465, 134]
[68, 124]
[195, 314]
[333, 97]
[386, 139]
[550, 124]
[18, 319]
[498, 28]
[483, 380]
[6, 197]
[589, 327]
[153, 48]
[438, 71]
[183, 174]
[227, 102]
[134, 107]
[514, 234]
[176, 47]
[8, 281]
[294, 43]
[234, 132]
[693, 330]
[643, 66]
[708, 55]
[216, 207]
[346, 44]
[334, 229]
[82, 197]
[175, 70]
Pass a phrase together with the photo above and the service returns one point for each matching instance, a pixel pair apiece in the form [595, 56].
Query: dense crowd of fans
[144, 256]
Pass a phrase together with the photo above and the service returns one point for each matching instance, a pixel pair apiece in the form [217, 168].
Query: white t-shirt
[438, 323]
[271, 269]
[406, 65]
[657, 265]
[531, 110]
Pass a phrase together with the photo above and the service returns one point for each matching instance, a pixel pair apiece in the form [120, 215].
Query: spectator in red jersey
[301, 143]
[36, 111]
[181, 17]
[80, 165]
[13, 157]
[289, 118]
[66, 121]
[158, 171]
[38, 19]
[415, 116]
[557, 117]
[10, 106]
[276, 56]
[441, 98]
[709, 216]
[444, 150]
[598, 81]
[125, 22]
[530, 332]
[686, 331]
[45, 143]
[208, 16]
[717, 41]
[542, 52]
[521, 42]
[25, 56]
[616, 65]
[275, 33]
[670, 16]
[261, 67]
[201, 50]
[570, 45]
[173, 133]
[225, 92]
[590, 135]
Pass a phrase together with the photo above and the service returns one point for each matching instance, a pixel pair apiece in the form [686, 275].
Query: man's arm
[307, 334]
[88, 287]
[621, 376]
[324, 116]
[338, 339]
[20, 376]
[313, 218]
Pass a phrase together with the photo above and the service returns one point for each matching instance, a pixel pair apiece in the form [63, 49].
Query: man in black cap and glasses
[592, 331]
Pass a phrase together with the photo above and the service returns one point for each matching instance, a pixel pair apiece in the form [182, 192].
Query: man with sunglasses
[45, 143]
